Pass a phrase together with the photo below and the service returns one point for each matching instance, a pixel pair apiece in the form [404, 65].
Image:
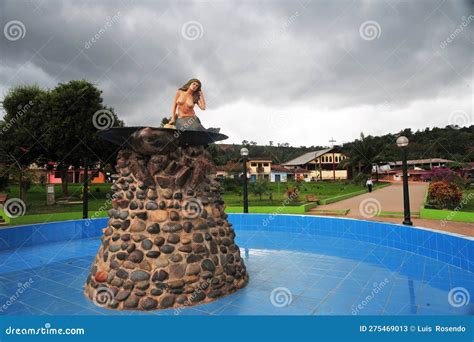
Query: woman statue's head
[195, 85]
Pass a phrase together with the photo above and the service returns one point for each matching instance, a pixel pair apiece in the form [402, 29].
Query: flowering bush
[442, 174]
[444, 195]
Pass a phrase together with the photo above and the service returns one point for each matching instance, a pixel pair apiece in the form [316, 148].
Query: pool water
[290, 274]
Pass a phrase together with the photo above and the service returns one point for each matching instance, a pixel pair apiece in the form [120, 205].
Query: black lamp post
[402, 142]
[244, 153]
[85, 191]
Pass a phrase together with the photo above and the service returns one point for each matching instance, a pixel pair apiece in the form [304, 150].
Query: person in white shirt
[369, 184]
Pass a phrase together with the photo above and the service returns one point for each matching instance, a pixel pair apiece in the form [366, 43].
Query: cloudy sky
[287, 71]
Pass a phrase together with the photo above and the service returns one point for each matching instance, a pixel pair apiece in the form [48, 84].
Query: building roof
[423, 161]
[259, 158]
[279, 168]
[307, 157]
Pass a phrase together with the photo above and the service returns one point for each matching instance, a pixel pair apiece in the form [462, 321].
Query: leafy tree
[21, 134]
[259, 188]
[76, 117]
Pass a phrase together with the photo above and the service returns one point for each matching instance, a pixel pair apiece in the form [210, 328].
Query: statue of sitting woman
[183, 116]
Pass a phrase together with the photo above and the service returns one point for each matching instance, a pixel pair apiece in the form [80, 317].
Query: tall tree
[76, 116]
[21, 140]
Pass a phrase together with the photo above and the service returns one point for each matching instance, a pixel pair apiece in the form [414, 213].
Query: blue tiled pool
[298, 265]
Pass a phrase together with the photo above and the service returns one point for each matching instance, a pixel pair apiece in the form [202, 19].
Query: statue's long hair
[196, 93]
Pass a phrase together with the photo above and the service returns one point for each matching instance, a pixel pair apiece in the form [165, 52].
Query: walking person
[369, 184]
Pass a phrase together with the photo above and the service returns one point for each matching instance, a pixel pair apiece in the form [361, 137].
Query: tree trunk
[23, 186]
[64, 188]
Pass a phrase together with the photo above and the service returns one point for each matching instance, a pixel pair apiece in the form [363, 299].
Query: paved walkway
[390, 199]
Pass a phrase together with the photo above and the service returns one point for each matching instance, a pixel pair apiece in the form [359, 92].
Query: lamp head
[244, 152]
[402, 141]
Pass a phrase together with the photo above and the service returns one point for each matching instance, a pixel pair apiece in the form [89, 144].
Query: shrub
[444, 195]
[230, 184]
[442, 174]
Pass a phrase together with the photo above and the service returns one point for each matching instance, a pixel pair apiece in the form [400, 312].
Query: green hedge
[5, 217]
[269, 210]
[447, 215]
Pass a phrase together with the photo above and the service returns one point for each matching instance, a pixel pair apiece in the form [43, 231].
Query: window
[330, 159]
[253, 164]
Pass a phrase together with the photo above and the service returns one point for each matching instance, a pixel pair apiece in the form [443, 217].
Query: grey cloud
[275, 53]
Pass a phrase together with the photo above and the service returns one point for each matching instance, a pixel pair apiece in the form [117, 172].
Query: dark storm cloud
[272, 53]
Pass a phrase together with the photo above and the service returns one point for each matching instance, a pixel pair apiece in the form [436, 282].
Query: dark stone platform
[168, 242]
[150, 140]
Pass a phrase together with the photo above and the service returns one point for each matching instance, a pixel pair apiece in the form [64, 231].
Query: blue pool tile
[329, 266]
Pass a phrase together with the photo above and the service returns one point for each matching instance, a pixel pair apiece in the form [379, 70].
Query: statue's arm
[201, 102]
[175, 105]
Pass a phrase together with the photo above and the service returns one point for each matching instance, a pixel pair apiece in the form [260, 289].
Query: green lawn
[36, 198]
[38, 211]
[321, 190]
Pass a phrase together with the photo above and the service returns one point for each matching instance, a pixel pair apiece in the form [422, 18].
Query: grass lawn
[321, 190]
[36, 198]
[38, 211]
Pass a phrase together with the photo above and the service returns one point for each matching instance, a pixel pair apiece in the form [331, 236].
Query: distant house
[319, 165]
[259, 168]
[426, 164]
[418, 169]
[278, 174]
[230, 170]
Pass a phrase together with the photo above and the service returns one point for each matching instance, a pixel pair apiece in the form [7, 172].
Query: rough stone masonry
[168, 242]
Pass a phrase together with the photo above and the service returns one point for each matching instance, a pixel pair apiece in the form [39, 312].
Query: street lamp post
[85, 191]
[402, 142]
[244, 153]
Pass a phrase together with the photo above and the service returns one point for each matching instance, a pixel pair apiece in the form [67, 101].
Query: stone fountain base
[168, 242]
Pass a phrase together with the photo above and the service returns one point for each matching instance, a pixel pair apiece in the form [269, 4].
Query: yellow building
[259, 168]
[321, 165]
